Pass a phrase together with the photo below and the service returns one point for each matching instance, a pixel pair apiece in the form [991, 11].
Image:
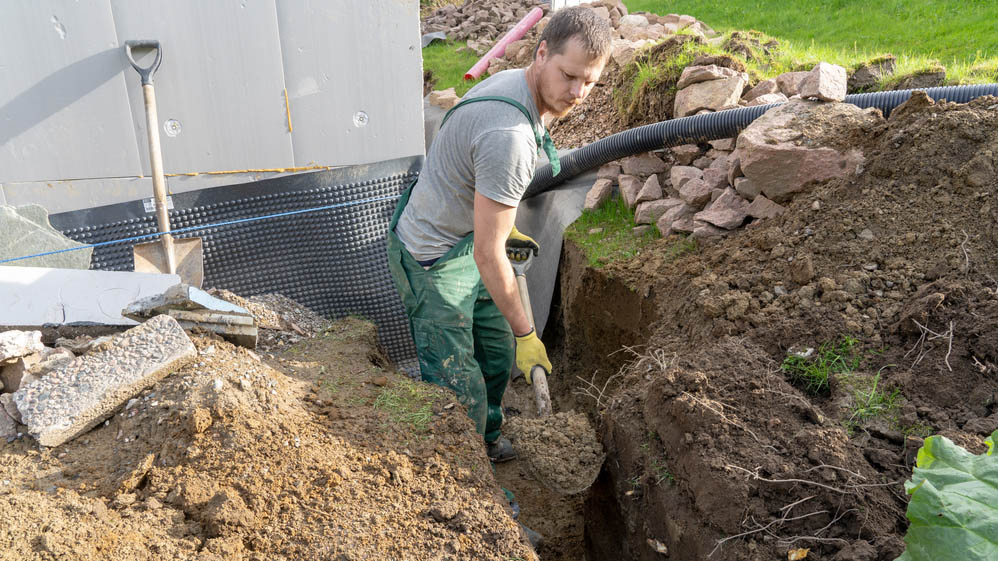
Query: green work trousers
[462, 340]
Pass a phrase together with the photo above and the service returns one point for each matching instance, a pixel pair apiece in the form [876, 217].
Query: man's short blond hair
[582, 23]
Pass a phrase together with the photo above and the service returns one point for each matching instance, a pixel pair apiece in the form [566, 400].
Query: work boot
[500, 451]
[533, 537]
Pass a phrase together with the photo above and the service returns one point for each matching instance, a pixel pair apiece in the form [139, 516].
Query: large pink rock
[713, 95]
[762, 88]
[649, 212]
[630, 186]
[643, 164]
[674, 214]
[600, 193]
[782, 157]
[767, 99]
[762, 207]
[686, 153]
[744, 187]
[695, 192]
[651, 190]
[679, 175]
[789, 82]
[728, 211]
[608, 171]
[696, 74]
[715, 178]
[826, 82]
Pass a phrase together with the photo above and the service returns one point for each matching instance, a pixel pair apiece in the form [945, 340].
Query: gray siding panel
[342, 57]
[64, 112]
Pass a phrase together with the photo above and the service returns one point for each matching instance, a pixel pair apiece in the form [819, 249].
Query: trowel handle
[538, 376]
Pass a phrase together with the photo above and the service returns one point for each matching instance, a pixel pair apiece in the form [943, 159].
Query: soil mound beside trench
[317, 452]
[715, 451]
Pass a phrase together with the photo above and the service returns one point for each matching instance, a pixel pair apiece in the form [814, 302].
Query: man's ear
[542, 52]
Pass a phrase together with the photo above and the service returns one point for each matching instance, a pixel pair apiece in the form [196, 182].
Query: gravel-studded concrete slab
[14, 343]
[74, 399]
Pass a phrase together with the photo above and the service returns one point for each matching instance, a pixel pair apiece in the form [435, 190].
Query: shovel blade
[150, 258]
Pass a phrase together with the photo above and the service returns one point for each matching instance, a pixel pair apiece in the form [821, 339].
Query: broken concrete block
[649, 212]
[600, 193]
[26, 231]
[761, 207]
[651, 191]
[728, 211]
[630, 186]
[53, 361]
[71, 401]
[713, 95]
[15, 344]
[685, 154]
[8, 426]
[195, 307]
[789, 82]
[679, 175]
[643, 164]
[13, 373]
[762, 88]
[826, 82]
[7, 403]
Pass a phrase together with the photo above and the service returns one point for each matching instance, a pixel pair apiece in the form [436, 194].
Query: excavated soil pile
[713, 449]
[316, 452]
[563, 450]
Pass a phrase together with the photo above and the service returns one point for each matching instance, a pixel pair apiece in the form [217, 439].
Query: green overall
[462, 339]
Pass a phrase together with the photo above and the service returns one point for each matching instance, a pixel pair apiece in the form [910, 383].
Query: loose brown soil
[562, 450]
[317, 452]
[711, 449]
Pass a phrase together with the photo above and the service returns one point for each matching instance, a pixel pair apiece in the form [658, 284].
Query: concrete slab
[26, 231]
[15, 344]
[71, 401]
[32, 296]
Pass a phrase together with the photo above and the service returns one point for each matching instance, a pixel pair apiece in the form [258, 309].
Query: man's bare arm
[493, 222]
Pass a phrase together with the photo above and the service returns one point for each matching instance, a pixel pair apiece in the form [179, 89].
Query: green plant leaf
[954, 503]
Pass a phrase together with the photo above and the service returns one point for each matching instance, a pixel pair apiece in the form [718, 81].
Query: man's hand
[530, 352]
[519, 246]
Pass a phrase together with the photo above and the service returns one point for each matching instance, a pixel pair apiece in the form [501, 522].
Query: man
[448, 239]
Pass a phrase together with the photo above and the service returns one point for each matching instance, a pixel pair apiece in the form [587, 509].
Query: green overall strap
[543, 142]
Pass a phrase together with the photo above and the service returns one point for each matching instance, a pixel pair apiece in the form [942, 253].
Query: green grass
[409, 403]
[951, 32]
[605, 235]
[812, 374]
[871, 401]
[448, 65]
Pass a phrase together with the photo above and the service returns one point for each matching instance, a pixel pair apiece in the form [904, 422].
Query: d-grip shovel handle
[144, 72]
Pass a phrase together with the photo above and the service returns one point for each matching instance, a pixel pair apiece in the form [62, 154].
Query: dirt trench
[714, 451]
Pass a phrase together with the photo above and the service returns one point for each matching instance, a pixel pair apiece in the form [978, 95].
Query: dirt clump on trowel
[563, 450]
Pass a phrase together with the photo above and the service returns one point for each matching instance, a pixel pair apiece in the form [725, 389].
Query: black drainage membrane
[331, 260]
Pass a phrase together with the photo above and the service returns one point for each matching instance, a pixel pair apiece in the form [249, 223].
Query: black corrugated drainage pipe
[714, 126]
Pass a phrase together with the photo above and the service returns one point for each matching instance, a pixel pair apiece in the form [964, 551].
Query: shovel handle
[542, 397]
[145, 72]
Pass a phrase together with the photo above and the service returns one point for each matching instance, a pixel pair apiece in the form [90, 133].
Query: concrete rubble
[196, 309]
[15, 344]
[73, 399]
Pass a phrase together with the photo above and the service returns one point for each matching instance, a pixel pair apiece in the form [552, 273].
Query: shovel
[183, 257]
[542, 396]
[559, 465]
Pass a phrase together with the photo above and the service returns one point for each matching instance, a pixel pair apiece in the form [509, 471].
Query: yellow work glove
[530, 352]
[519, 246]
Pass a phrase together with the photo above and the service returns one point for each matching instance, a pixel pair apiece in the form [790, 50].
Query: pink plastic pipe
[499, 49]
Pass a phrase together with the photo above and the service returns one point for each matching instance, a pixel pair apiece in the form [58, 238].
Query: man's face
[566, 78]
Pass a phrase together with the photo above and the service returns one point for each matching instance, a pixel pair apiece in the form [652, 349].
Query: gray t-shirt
[486, 146]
